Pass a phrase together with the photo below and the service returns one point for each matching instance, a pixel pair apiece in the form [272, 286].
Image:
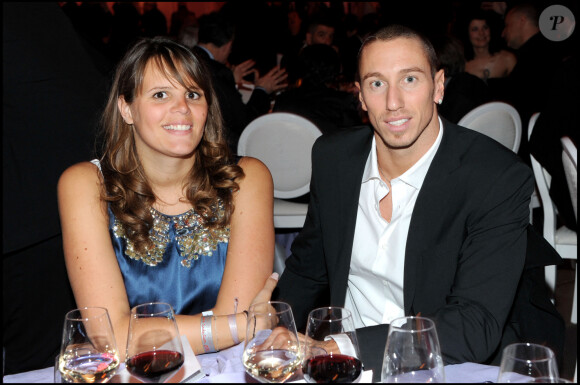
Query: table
[226, 367]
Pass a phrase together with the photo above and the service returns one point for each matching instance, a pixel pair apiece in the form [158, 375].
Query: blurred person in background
[53, 95]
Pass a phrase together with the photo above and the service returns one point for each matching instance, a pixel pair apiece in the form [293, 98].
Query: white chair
[570, 162]
[562, 239]
[283, 142]
[535, 199]
[498, 120]
[501, 122]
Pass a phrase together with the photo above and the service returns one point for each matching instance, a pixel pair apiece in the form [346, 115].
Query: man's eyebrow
[372, 75]
[403, 71]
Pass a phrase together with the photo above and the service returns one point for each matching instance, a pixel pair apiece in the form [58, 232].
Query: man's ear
[360, 97]
[125, 110]
[439, 85]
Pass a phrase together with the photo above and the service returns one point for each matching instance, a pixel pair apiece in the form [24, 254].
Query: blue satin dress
[184, 269]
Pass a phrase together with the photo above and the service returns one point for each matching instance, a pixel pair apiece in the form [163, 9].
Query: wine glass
[88, 352]
[524, 362]
[271, 350]
[331, 351]
[412, 353]
[154, 349]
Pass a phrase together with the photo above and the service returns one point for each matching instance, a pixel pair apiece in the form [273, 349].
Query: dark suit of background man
[417, 215]
[538, 58]
[215, 39]
[51, 97]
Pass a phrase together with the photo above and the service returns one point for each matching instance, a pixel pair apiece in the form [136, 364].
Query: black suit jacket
[465, 251]
[235, 113]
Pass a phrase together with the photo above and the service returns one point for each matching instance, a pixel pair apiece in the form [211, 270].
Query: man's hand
[273, 81]
[243, 69]
[265, 294]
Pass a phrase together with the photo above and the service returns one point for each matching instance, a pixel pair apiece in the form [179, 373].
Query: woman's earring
[439, 101]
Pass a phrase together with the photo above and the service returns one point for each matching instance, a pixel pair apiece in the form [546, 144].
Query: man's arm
[489, 267]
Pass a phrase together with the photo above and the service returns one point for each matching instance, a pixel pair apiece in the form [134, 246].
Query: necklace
[383, 175]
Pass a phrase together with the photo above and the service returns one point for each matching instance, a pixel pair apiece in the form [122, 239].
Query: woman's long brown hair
[125, 186]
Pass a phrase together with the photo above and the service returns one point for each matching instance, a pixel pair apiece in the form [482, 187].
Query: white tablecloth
[226, 367]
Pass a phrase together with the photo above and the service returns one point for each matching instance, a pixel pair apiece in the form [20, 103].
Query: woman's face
[479, 33]
[168, 118]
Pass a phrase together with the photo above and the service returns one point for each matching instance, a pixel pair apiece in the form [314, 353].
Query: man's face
[512, 30]
[399, 93]
[322, 35]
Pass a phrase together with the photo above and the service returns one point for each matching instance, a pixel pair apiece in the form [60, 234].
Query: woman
[166, 214]
[484, 59]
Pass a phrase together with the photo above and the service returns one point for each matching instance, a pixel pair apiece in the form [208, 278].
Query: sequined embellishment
[193, 238]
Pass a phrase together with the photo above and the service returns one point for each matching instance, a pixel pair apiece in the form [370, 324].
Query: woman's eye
[193, 95]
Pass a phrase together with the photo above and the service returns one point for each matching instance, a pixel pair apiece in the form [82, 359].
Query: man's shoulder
[348, 137]
[344, 143]
[474, 147]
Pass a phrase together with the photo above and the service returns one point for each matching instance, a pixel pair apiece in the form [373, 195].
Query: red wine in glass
[338, 368]
[151, 366]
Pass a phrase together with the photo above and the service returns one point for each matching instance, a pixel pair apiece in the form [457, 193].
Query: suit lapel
[432, 200]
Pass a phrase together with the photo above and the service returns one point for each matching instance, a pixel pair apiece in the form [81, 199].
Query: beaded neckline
[192, 237]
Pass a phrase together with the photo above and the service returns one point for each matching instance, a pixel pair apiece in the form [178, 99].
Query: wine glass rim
[168, 308]
[286, 306]
[510, 351]
[426, 324]
[345, 313]
[69, 315]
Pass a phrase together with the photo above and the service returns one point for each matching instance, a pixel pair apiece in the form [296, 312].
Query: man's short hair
[395, 31]
[528, 10]
[215, 28]
[319, 19]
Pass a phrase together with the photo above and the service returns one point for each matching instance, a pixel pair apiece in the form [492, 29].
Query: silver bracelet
[206, 334]
[233, 324]
[233, 328]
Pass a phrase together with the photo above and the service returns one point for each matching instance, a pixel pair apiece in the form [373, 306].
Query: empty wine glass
[154, 349]
[412, 353]
[525, 362]
[272, 350]
[88, 351]
[331, 351]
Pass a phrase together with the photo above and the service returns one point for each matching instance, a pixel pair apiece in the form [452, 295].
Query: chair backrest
[498, 120]
[570, 162]
[283, 141]
[543, 181]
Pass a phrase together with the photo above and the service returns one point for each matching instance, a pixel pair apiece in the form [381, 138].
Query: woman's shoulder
[82, 173]
[253, 167]
[507, 56]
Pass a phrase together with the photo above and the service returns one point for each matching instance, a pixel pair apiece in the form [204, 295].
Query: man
[536, 56]
[320, 30]
[417, 216]
[216, 36]
[318, 98]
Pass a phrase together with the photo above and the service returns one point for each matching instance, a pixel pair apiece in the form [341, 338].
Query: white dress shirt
[375, 281]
